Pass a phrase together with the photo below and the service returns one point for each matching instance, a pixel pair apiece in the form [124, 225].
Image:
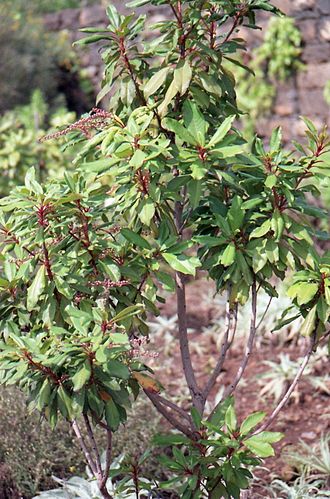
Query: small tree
[164, 185]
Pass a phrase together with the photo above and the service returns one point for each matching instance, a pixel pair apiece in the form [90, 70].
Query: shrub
[164, 185]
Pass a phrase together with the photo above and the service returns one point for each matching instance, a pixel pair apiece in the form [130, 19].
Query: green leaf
[195, 192]
[156, 81]
[218, 414]
[194, 122]
[112, 415]
[270, 437]
[258, 448]
[127, 312]
[251, 421]
[44, 395]
[260, 444]
[117, 369]
[36, 289]
[304, 292]
[170, 439]
[119, 338]
[182, 76]
[275, 139]
[196, 417]
[64, 402]
[100, 165]
[230, 418]
[179, 130]
[82, 376]
[227, 151]
[146, 211]
[91, 39]
[309, 323]
[182, 263]
[271, 181]
[135, 238]
[228, 256]
[262, 230]
[221, 132]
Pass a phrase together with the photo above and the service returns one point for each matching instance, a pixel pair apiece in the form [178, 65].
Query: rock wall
[299, 96]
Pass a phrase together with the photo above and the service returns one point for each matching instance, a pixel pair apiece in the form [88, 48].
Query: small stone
[287, 472]
[324, 6]
[316, 52]
[52, 21]
[69, 19]
[304, 4]
[308, 29]
[308, 435]
[315, 76]
[325, 29]
[311, 103]
[93, 16]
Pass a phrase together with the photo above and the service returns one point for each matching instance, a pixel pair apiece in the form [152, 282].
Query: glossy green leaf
[82, 376]
[37, 288]
[182, 263]
[251, 421]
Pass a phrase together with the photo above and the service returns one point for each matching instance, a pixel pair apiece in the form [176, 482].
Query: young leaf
[112, 415]
[251, 421]
[230, 418]
[156, 81]
[36, 289]
[260, 449]
[82, 376]
[228, 256]
[309, 323]
[182, 263]
[221, 132]
[146, 211]
[135, 238]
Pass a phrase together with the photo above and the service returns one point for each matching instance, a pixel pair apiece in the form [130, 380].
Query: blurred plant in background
[32, 58]
[20, 130]
[275, 60]
[314, 461]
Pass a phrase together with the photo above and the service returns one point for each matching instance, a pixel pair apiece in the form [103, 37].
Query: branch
[107, 459]
[234, 26]
[84, 447]
[265, 312]
[167, 415]
[291, 388]
[224, 349]
[94, 446]
[173, 406]
[231, 388]
[249, 345]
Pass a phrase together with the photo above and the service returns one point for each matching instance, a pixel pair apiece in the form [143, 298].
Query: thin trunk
[196, 395]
